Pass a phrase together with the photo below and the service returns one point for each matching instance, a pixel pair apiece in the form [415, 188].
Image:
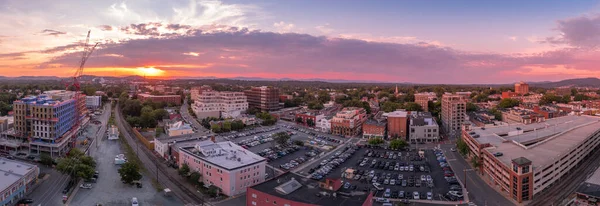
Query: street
[185, 114]
[49, 191]
[479, 192]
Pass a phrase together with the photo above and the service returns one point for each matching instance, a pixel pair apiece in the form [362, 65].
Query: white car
[429, 196]
[86, 186]
[134, 201]
[416, 195]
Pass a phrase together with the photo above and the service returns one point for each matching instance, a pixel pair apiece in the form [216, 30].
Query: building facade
[348, 122]
[173, 99]
[397, 124]
[453, 111]
[423, 128]
[263, 98]
[17, 180]
[219, 104]
[521, 88]
[523, 160]
[324, 124]
[225, 165]
[93, 102]
[374, 129]
[47, 124]
[309, 118]
[179, 128]
[424, 98]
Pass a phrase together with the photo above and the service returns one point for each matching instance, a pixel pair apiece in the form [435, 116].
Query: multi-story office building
[225, 165]
[263, 98]
[348, 122]
[423, 128]
[397, 124]
[17, 180]
[47, 123]
[524, 159]
[424, 98]
[521, 88]
[93, 102]
[453, 111]
[219, 104]
[196, 91]
[174, 99]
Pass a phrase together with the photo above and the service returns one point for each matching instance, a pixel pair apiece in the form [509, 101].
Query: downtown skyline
[458, 42]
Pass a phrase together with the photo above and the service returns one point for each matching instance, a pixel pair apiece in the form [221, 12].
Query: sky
[449, 42]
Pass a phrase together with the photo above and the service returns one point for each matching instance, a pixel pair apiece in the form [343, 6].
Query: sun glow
[150, 71]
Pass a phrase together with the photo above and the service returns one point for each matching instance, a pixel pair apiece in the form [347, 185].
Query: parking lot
[397, 178]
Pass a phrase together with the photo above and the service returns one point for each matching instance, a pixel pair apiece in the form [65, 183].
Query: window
[253, 195]
[253, 203]
[525, 169]
[274, 202]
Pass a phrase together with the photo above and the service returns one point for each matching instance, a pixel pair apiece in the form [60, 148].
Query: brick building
[263, 98]
[174, 99]
[424, 98]
[374, 129]
[397, 124]
[308, 118]
[521, 88]
[348, 122]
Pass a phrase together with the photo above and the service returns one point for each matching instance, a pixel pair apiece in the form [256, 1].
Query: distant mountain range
[579, 82]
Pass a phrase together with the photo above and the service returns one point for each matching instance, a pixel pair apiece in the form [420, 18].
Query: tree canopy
[77, 165]
[129, 172]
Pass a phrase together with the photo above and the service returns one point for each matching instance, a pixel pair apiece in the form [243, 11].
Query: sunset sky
[393, 41]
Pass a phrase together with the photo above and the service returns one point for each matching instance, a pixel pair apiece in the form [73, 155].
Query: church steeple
[396, 92]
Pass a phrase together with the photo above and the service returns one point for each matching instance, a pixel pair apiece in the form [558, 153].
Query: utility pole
[465, 174]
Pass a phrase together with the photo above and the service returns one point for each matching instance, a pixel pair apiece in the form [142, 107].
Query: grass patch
[130, 152]
[156, 185]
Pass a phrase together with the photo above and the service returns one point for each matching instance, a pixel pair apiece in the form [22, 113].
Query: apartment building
[397, 124]
[93, 102]
[18, 179]
[48, 124]
[309, 118]
[196, 91]
[523, 116]
[225, 165]
[524, 159]
[348, 122]
[521, 88]
[423, 99]
[453, 111]
[263, 98]
[374, 128]
[219, 104]
[173, 99]
[423, 128]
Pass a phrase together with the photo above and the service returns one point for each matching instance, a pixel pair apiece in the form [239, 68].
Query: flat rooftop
[591, 186]
[12, 171]
[227, 155]
[305, 190]
[396, 114]
[541, 142]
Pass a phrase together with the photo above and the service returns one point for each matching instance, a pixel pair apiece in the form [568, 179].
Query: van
[387, 193]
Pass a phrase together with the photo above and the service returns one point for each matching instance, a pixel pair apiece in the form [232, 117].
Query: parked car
[416, 195]
[86, 186]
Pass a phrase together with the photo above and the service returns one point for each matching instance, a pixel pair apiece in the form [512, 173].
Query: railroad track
[186, 195]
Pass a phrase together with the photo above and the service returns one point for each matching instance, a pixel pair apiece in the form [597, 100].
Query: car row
[235, 135]
[277, 152]
[256, 140]
[316, 135]
[327, 165]
[388, 193]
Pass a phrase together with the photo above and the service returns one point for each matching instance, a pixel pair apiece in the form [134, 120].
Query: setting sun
[150, 71]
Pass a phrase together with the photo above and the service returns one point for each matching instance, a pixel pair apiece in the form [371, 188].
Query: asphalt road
[49, 192]
[154, 167]
[479, 192]
[185, 114]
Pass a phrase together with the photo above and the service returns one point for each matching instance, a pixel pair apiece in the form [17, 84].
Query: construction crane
[87, 52]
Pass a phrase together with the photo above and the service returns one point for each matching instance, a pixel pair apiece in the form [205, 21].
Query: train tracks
[565, 187]
[150, 162]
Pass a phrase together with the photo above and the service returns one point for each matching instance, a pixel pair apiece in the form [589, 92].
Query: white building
[324, 124]
[17, 180]
[423, 128]
[220, 104]
[93, 102]
[179, 128]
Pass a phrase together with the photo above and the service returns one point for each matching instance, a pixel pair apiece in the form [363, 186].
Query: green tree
[398, 144]
[389, 106]
[299, 143]
[367, 107]
[159, 131]
[580, 97]
[475, 162]
[375, 141]
[549, 98]
[77, 165]
[497, 114]
[299, 120]
[129, 172]
[184, 170]
[323, 97]
[194, 178]
[160, 114]
[89, 91]
[45, 159]
[216, 128]
[226, 126]
[471, 107]
[315, 105]
[508, 103]
[281, 138]
[310, 122]
[462, 146]
[411, 106]
[383, 94]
